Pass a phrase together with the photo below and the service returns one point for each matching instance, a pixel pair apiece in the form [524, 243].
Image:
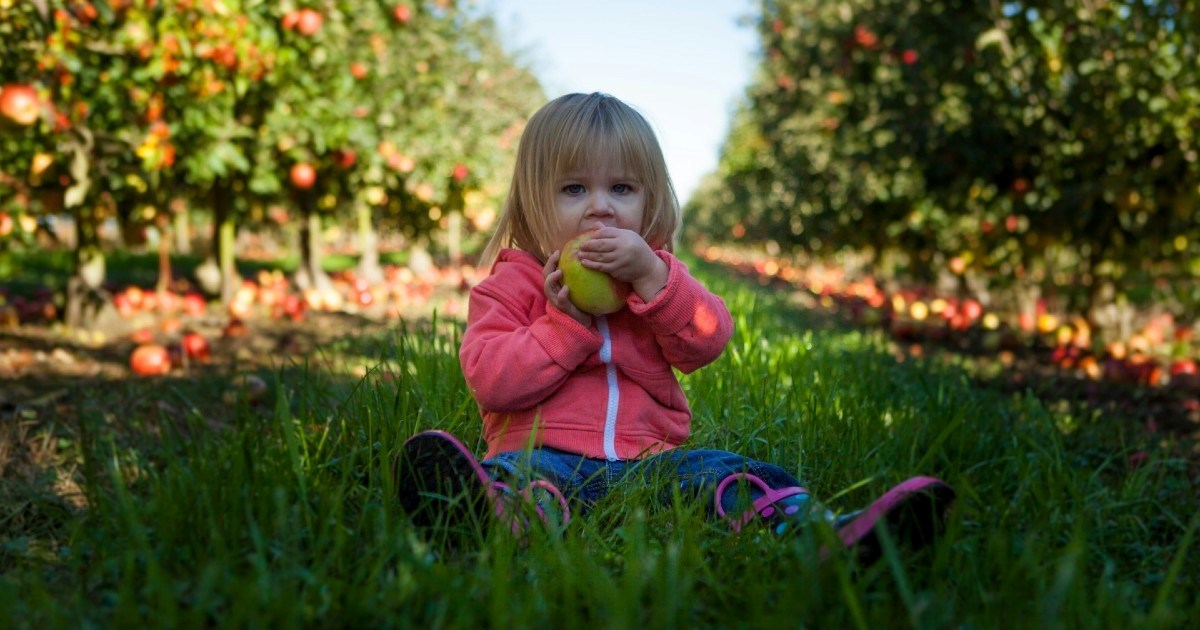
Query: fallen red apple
[171, 325]
[294, 307]
[1090, 367]
[194, 304]
[123, 305]
[1183, 366]
[972, 309]
[142, 335]
[135, 296]
[1184, 375]
[150, 359]
[241, 308]
[150, 301]
[235, 329]
[169, 302]
[591, 291]
[195, 346]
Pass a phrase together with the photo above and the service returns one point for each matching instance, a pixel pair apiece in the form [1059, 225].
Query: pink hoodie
[606, 391]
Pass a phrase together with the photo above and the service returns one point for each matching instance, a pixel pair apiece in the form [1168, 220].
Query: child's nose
[600, 204]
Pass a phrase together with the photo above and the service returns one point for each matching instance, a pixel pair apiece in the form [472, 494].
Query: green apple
[591, 291]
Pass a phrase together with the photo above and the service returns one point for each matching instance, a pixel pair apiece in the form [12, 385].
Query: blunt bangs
[578, 132]
[606, 138]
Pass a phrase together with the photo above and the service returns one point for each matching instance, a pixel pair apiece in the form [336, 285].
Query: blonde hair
[573, 132]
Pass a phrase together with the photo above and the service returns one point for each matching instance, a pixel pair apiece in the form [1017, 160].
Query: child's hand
[557, 292]
[625, 255]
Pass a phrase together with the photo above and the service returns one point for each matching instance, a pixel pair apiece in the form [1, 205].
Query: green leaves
[1077, 121]
[236, 89]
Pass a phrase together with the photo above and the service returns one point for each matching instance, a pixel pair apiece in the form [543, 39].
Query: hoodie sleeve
[516, 351]
[692, 325]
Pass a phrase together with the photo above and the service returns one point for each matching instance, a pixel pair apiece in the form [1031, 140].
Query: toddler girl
[574, 403]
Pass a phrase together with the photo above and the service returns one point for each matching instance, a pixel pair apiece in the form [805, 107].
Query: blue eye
[573, 189]
[621, 188]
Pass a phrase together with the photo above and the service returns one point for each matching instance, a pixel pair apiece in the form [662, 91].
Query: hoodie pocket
[662, 386]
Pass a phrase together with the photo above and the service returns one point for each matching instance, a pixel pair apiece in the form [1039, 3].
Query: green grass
[281, 514]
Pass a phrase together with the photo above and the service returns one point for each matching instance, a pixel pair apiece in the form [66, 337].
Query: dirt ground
[50, 376]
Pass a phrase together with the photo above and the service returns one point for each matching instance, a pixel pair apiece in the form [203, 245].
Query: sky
[682, 63]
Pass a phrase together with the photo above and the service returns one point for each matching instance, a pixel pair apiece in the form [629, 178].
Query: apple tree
[1021, 140]
[144, 110]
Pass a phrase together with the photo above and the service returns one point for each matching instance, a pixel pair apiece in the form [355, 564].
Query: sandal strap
[763, 507]
[555, 492]
[501, 493]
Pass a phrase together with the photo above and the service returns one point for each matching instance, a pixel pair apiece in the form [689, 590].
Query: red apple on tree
[865, 37]
[460, 172]
[345, 158]
[402, 13]
[303, 175]
[20, 104]
[308, 22]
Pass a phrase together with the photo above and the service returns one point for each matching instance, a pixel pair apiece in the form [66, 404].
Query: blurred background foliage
[1014, 150]
[377, 114]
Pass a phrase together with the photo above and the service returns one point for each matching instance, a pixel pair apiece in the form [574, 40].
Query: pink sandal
[438, 480]
[763, 507]
[914, 512]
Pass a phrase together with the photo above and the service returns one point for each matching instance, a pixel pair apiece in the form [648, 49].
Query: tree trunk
[224, 254]
[309, 274]
[183, 240]
[217, 275]
[456, 229]
[230, 278]
[368, 245]
[85, 298]
[164, 256]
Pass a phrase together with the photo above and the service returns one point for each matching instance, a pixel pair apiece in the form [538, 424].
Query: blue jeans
[587, 480]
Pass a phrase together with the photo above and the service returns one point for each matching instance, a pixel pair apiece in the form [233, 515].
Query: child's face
[605, 195]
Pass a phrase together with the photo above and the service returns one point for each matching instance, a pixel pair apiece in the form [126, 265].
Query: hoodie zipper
[614, 394]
